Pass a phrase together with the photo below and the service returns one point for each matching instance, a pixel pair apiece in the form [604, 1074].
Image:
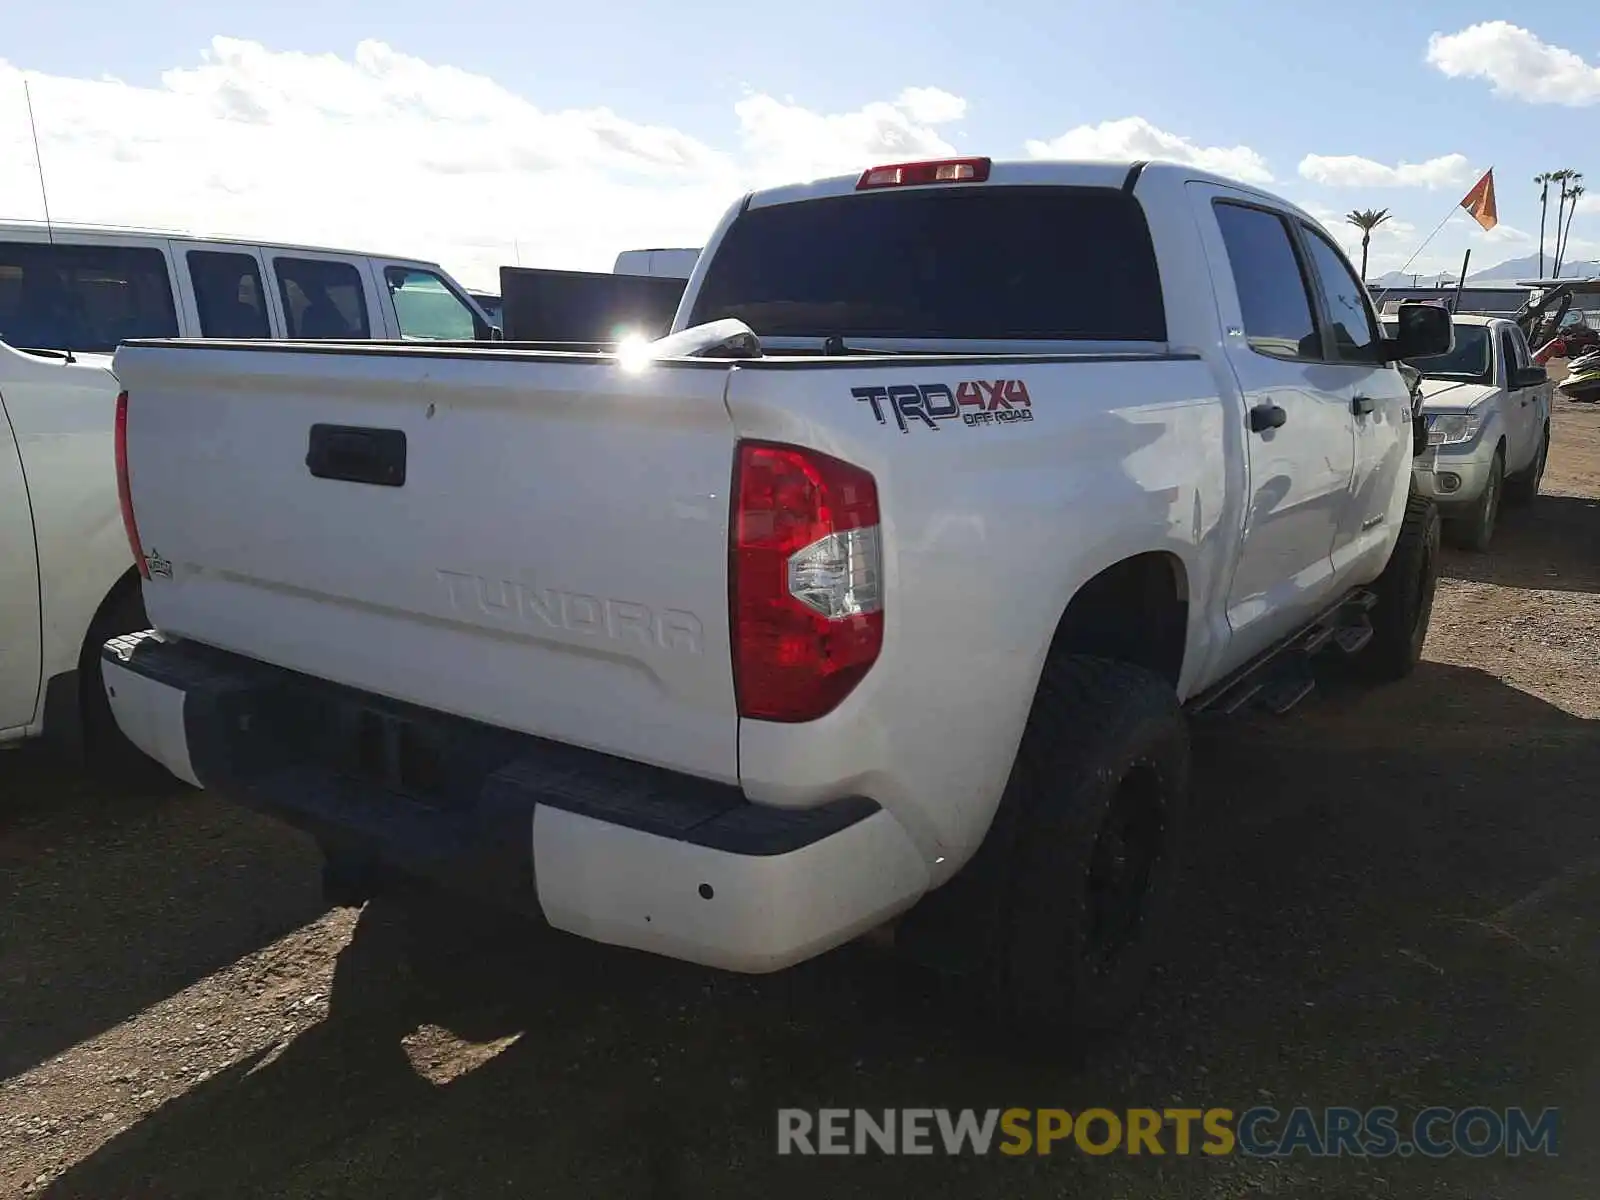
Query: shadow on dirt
[111, 903]
[1551, 544]
[1386, 904]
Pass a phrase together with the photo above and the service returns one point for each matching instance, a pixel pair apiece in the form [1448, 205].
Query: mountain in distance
[1526, 267]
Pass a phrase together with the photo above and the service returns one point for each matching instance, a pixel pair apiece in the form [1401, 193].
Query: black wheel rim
[1122, 868]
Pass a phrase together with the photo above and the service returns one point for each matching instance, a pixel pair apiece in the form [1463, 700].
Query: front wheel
[1405, 594]
[1098, 794]
[1475, 530]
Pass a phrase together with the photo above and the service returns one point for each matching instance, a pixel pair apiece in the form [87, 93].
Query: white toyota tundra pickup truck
[879, 591]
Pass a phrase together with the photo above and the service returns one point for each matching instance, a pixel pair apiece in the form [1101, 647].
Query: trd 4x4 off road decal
[975, 401]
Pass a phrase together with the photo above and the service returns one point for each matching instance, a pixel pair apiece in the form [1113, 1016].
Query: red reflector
[806, 581]
[946, 170]
[124, 495]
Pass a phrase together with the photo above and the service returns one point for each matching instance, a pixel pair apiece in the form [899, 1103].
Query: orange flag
[1480, 201]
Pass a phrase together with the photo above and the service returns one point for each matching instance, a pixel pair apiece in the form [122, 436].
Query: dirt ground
[1394, 898]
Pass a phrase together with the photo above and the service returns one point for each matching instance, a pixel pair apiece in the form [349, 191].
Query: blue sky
[628, 130]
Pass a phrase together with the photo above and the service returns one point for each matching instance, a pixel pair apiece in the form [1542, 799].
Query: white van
[90, 288]
[674, 263]
[68, 297]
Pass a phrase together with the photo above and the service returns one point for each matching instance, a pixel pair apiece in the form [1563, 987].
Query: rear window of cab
[976, 262]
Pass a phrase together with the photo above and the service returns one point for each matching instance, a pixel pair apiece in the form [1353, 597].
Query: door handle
[1266, 416]
[1361, 405]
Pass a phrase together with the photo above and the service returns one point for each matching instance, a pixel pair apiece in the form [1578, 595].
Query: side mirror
[1423, 330]
[496, 334]
[1527, 377]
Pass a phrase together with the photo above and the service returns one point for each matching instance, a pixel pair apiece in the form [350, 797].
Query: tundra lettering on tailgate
[975, 401]
[575, 612]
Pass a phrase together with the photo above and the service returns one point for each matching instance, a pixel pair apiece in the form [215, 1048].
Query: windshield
[990, 263]
[1469, 360]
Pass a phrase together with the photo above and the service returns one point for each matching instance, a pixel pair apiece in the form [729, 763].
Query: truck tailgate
[537, 542]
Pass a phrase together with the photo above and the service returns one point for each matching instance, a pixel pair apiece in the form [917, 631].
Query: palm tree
[1561, 178]
[1366, 220]
[1543, 180]
[1573, 193]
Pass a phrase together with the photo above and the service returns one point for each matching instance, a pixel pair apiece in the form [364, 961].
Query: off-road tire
[1405, 593]
[1104, 738]
[108, 754]
[1475, 530]
[1522, 487]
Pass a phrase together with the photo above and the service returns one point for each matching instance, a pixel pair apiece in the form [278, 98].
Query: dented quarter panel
[987, 535]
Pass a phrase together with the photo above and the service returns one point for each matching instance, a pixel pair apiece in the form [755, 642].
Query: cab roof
[1108, 173]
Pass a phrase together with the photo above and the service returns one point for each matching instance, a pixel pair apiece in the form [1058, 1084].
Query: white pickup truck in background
[883, 584]
[1486, 405]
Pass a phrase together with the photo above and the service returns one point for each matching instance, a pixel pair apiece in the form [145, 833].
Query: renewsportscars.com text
[1259, 1132]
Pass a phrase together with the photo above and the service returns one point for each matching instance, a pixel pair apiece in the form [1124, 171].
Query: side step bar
[1281, 678]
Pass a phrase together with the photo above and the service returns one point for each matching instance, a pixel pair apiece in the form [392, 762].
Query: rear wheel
[1475, 530]
[1096, 798]
[107, 751]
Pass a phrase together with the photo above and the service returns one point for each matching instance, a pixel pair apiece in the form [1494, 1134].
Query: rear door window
[979, 263]
[322, 299]
[77, 297]
[229, 295]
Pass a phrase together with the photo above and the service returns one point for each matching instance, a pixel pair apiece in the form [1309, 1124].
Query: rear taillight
[806, 580]
[124, 495]
[945, 170]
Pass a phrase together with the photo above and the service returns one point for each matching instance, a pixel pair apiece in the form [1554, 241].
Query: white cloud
[1351, 170]
[1392, 242]
[1582, 250]
[931, 105]
[1517, 62]
[1335, 222]
[385, 151]
[1136, 138]
[1505, 235]
[783, 141]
